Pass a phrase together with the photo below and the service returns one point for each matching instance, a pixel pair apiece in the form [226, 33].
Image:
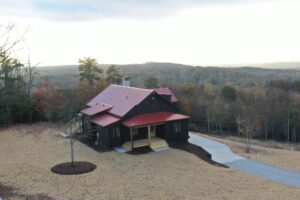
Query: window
[117, 132]
[177, 127]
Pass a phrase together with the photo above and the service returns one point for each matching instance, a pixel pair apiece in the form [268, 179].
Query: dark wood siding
[153, 103]
[125, 133]
[172, 135]
[142, 133]
[115, 138]
[104, 137]
[185, 130]
[160, 131]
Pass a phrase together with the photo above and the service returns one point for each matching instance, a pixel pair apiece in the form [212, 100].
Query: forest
[244, 101]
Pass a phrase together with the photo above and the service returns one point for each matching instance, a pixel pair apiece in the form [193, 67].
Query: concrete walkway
[221, 153]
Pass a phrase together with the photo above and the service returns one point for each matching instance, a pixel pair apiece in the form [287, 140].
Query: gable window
[177, 127]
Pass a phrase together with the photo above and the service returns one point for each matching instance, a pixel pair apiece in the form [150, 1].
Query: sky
[195, 32]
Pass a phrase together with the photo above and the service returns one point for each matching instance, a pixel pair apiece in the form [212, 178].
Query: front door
[152, 131]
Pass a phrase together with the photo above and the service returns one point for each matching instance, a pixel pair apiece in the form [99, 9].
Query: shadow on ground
[197, 151]
[91, 143]
[9, 192]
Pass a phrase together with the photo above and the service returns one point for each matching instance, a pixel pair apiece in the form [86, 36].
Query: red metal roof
[105, 120]
[122, 98]
[153, 118]
[166, 91]
[96, 109]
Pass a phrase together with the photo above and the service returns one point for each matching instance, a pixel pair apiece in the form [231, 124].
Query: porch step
[121, 149]
[161, 149]
[136, 144]
[158, 144]
[127, 146]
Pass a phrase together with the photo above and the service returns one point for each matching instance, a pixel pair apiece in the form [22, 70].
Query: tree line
[22, 102]
[270, 111]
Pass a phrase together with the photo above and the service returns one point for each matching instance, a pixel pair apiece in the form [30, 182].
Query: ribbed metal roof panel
[122, 98]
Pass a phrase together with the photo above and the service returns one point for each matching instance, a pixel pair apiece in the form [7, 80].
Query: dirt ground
[28, 153]
[284, 157]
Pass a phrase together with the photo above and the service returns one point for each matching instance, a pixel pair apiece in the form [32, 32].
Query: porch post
[149, 135]
[82, 125]
[131, 138]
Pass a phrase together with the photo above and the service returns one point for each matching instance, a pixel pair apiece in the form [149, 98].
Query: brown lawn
[28, 153]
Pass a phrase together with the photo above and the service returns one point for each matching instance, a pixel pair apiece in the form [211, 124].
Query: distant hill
[171, 73]
[281, 65]
[276, 65]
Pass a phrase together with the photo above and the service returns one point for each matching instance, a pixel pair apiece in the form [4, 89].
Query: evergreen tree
[11, 83]
[89, 71]
[151, 82]
[113, 75]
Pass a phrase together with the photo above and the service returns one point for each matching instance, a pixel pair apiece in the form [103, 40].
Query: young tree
[249, 123]
[113, 75]
[251, 117]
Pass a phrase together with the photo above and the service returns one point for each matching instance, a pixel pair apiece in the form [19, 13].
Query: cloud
[201, 35]
[97, 9]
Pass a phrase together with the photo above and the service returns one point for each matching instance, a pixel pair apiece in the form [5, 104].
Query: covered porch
[150, 129]
[146, 136]
[156, 144]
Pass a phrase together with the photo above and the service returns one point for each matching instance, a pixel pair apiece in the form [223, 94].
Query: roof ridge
[133, 87]
[161, 87]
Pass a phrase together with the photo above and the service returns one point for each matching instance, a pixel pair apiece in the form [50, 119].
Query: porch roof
[153, 118]
[105, 120]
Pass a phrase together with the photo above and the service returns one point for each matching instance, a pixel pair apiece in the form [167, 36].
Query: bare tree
[250, 119]
[248, 126]
[30, 72]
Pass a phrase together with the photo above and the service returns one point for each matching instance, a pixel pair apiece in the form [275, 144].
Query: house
[134, 116]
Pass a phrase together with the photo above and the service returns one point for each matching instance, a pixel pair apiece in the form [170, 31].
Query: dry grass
[28, 153]
[275, 153]
[269, 143]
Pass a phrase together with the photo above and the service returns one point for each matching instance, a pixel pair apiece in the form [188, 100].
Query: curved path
[221, 153]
